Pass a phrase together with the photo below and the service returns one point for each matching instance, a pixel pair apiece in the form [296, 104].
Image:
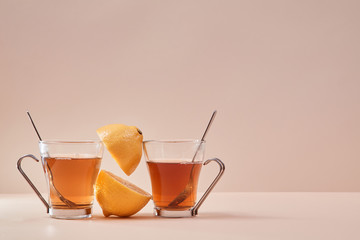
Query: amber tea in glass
[170, 178]
[71, 169]
[74, 178]
[174, 167]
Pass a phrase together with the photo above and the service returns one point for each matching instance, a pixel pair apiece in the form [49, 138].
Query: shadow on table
[206, 215]
[140, 216]
[236, 215]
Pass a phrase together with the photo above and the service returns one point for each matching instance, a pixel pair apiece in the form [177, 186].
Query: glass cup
[71, 169]
[174, 167]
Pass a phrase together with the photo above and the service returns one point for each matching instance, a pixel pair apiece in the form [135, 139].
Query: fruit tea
[174, 167]
[71, 169]
[74, 178]
[169, 179]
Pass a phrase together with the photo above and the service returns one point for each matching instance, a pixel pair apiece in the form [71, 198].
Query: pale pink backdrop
[283, 75]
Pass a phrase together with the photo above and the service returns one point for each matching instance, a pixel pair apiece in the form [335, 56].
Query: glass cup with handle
[174, 167]
[71, 169]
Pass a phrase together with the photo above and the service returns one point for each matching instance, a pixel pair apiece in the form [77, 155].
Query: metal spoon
[188, 188]
[51, 179]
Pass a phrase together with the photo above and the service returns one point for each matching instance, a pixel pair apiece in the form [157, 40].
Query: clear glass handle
[194, 210]
[29, 181]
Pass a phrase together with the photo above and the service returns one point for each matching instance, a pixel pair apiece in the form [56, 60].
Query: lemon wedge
[119, 197]
[124, 144]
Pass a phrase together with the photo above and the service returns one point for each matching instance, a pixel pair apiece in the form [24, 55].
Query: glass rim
[70, 142]
[175, 141]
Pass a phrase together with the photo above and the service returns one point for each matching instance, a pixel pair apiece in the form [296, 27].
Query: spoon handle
[204, 135]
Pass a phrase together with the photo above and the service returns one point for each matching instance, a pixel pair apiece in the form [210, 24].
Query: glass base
[173, 213]
[70, 213]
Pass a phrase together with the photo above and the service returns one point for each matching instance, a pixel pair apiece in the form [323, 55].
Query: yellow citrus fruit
[119, 197]
[124, 144]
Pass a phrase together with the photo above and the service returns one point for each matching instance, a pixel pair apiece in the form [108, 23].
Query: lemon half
[119, 197]
[124, 144]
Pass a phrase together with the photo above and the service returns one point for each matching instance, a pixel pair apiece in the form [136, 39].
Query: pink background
[283, 75]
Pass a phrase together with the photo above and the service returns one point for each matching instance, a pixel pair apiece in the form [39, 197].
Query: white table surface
[222, 216]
